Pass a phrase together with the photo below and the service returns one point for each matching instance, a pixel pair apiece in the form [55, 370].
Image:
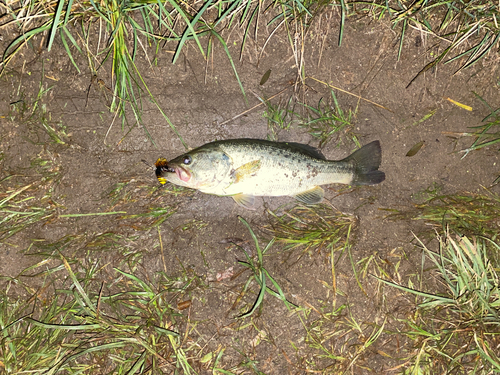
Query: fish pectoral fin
[311, 196]
[246, 170]
[245, 200]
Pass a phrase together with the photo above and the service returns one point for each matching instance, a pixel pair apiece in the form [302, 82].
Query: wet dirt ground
[201, 99]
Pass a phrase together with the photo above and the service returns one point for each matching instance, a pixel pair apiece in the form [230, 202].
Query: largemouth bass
[246, 168]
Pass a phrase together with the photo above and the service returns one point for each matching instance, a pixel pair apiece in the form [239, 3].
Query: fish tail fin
[366, 162]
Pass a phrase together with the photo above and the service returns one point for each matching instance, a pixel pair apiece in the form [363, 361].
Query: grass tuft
[337, 342]
[35, 114]
[329, 120]
[486, 134]
[280, 117]
[19, 210]
[153, 218]
[458, 329]
[130, 191]
[260, 275]
[468, 30]
[113, 33]
[80, 324]
[314, 228]
[22, 205]
[467, 213]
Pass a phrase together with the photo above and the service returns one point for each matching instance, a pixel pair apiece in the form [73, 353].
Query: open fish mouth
[182, 173]
[162, 168]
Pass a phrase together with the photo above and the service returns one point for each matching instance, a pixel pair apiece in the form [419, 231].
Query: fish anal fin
[246, 170]
[245, 200]
[311, 196]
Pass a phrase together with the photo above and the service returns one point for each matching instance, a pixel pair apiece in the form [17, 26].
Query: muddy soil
[203, 101]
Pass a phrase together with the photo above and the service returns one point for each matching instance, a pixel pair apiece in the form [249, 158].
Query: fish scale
[245, 168]
[283, 171]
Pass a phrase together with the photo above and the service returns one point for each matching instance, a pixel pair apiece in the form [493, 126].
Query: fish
[247, 168]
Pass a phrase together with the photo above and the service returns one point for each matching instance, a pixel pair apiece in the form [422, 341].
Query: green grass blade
[68, 327]
[403, 30]
[262, 282]
[232, 5]
[12, 195]
[138, 364]
[72, 40]
[190, 28]
[343, 13]
[17, 43]
[78, 286]
[247, 30]
[254, 237]
[68, 12]
[430, 65]
[94, 214]
[487, 353]
[68, 51]
[435, 298]
[354, 267]
[482, 54]
[96, 348]
[224, 45]
[164, 331]
[269, 245]
[102, 15]
[249, 264]
[55, 23]
[161, 9]
[280, 295]
[144, 286]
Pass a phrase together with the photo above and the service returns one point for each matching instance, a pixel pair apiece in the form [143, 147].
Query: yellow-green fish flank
[246, 168]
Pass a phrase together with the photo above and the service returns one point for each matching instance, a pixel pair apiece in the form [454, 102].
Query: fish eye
[187, 160]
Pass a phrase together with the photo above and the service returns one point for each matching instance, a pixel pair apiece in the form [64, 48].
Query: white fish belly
[276, 182]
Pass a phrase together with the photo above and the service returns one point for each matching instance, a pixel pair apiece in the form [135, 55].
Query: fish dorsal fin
[306, 149]
[246, 170]
[311, 196]
[245, 200]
